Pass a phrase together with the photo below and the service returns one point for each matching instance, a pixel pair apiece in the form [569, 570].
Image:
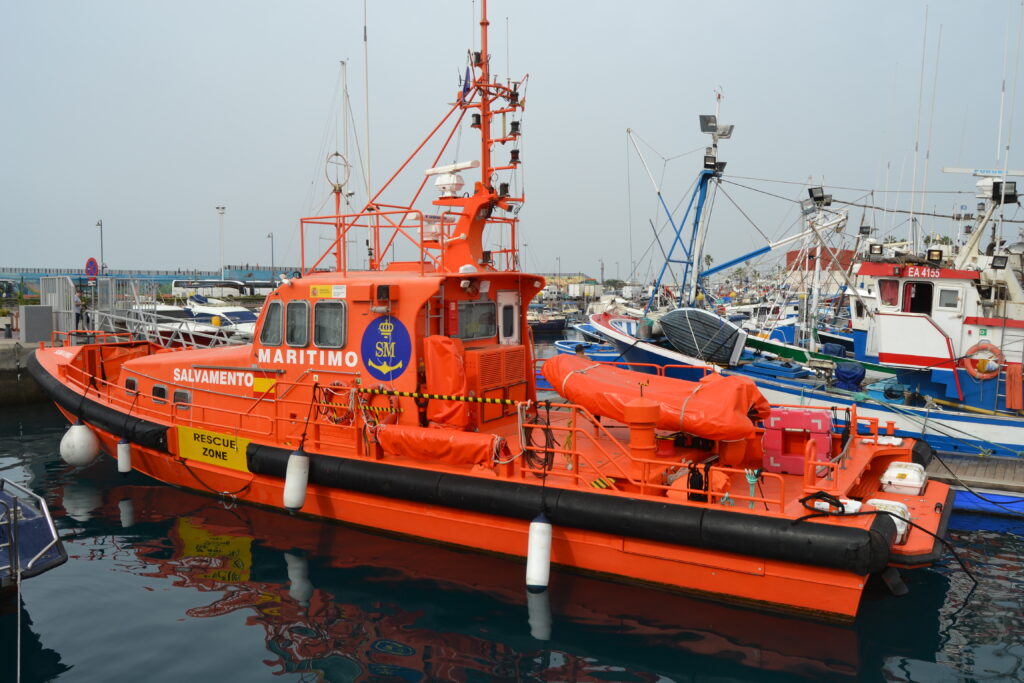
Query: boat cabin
[454, 334]
[924, 315]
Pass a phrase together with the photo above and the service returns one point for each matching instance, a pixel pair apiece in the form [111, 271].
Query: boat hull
[730, 554]
[822, 592]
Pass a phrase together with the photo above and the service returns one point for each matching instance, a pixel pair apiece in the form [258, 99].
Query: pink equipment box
[786, 433]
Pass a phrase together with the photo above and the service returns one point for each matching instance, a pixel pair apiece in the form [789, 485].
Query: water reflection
[351, 605]
[37, 662]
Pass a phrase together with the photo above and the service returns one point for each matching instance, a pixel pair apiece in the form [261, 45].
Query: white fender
[79, 446]
[538, 554]
[296, 478]
[124, 456]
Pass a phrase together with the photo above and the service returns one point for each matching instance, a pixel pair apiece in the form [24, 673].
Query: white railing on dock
[163, 330]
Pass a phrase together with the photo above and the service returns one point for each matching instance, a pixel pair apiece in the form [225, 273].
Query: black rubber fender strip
[138, 431]
[922, 453]
[856, 550]
[938, 547]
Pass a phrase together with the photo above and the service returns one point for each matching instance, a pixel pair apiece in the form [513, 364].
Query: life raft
[717, 407]
[988, 365]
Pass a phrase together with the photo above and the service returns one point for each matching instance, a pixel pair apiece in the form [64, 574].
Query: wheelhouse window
[477, 319]
[508, 321]
[182, 399]
[297, 323]
[131, 385]
[949, 298]
[159, 393]
[889, 292]
[329, 323]
[270, 335]
[996, 292]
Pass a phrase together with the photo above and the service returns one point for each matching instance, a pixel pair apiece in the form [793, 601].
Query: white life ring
[986, 367]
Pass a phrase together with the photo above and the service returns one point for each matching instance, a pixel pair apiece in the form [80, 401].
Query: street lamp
[271, 236]
[103, 263]
[220, 210]
[558, 276]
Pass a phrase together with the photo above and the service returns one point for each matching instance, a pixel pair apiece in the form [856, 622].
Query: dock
[985, 484]
[992, 473]
[16, 386]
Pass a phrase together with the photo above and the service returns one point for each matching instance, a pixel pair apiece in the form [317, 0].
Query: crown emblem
[386, 328]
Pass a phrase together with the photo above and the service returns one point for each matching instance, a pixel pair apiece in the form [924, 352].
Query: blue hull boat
[29, 544]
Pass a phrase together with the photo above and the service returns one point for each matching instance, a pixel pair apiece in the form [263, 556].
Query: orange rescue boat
[403, 398]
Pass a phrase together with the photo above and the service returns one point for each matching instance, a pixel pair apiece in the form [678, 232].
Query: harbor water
[169, 585]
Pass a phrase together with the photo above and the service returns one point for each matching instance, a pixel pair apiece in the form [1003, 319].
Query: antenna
[366, 95]
[917, 134]
[452, 168]
[981, 172]
[931, 121]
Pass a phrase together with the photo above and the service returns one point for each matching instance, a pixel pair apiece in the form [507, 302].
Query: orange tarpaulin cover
[444, 445]
[717, 407]
[445, 365]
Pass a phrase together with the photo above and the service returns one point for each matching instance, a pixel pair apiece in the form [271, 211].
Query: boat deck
[602, 465]
[993, 473]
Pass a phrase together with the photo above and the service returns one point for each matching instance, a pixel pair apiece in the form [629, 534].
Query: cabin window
[889, 292]
[182, 399]
[329, 324]
[477, 319]
[131, 385]
[917, 297]
[949, 298]
[508, 321]
[993, 292]
[159, 393]
[297, 323]
[270, 335]
[859, 307]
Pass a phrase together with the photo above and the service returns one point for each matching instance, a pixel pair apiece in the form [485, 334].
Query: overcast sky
[149, 114]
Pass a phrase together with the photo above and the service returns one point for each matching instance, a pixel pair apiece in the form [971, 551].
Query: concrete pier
[16, 386]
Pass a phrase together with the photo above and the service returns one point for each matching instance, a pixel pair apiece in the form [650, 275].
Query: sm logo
[386, 348]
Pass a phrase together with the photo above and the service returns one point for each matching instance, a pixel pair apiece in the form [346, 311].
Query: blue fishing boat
[588, 331]
[592, 350]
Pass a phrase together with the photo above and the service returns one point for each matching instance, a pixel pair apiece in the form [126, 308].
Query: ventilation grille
[515, 364]
[490, 369]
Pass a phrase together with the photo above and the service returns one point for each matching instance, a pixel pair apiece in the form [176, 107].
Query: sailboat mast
[344, 115]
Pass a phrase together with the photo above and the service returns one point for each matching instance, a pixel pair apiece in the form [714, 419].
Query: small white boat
[239, 320]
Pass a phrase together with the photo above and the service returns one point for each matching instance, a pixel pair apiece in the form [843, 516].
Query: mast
[456, 240]
[483, 79]
[694, 248]
[465, 244]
